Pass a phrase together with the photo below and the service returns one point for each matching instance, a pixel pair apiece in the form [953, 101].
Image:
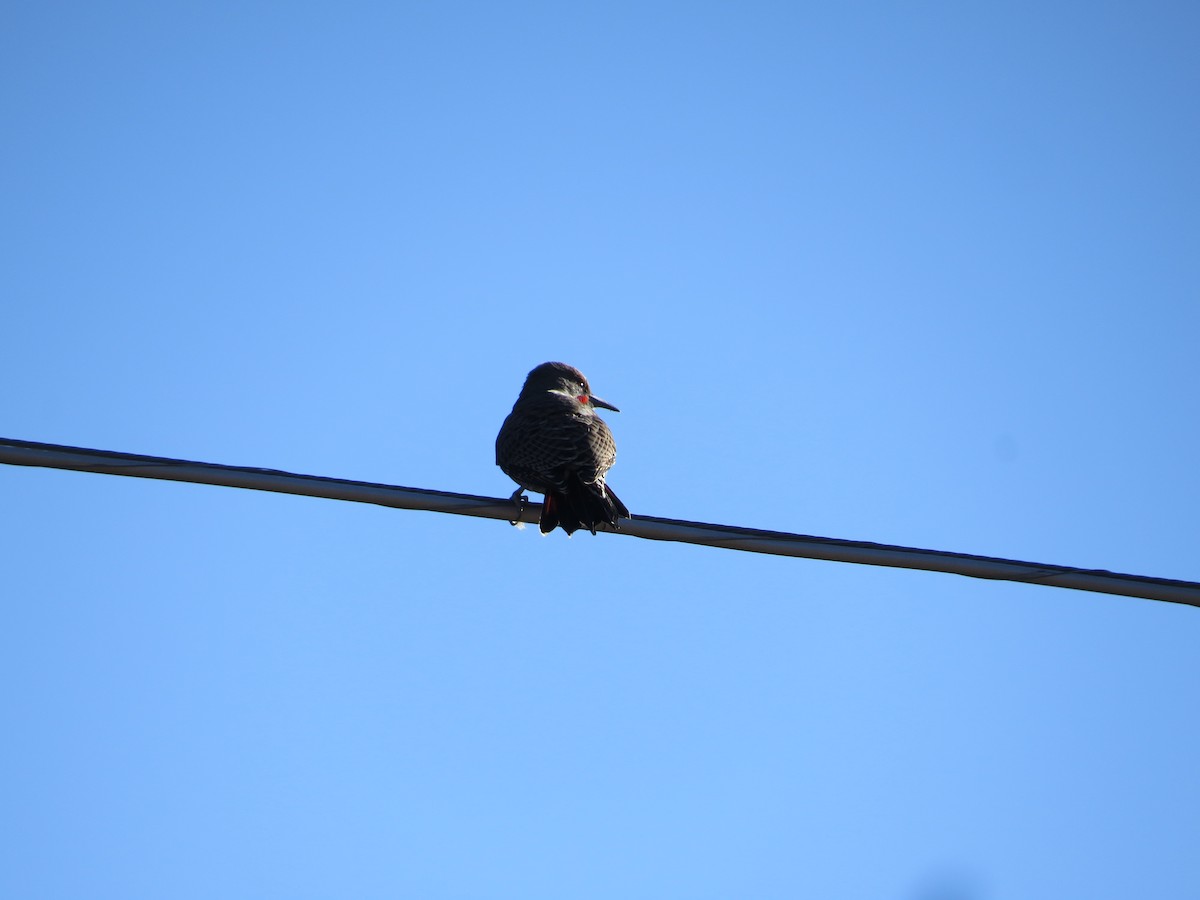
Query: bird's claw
[519, 500]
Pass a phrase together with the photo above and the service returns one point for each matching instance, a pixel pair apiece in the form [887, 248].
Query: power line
[54, 456]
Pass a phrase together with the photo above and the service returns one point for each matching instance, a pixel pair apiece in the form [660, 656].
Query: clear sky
[925, 274]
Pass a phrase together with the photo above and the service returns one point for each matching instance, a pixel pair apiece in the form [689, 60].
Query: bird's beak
[596, 401]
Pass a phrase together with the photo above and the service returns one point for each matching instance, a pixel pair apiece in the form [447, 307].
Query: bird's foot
[519, 500]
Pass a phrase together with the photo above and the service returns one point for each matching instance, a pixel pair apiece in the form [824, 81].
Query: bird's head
[559, 378]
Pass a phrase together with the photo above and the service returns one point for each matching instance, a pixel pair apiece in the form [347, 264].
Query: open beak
[596, 401]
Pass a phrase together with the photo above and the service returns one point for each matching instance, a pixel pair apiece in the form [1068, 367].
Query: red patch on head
[583, 398]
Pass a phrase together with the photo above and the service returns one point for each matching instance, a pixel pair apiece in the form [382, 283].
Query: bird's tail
[581, 505]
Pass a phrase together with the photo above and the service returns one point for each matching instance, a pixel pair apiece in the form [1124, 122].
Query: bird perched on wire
[554, 443]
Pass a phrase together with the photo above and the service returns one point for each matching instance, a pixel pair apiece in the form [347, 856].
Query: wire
[54, 456]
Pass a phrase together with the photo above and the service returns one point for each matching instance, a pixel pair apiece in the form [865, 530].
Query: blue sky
[923, 274]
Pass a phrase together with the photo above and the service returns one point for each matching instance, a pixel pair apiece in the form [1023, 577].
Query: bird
[553, 443]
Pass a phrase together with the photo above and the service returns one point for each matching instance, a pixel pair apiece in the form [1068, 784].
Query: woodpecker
[553, 443]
